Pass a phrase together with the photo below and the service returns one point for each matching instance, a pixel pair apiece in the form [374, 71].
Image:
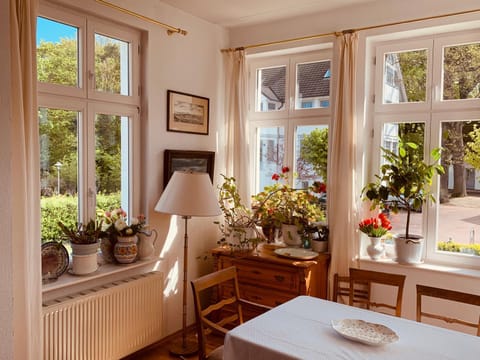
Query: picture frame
[187, 160]
[187, 113]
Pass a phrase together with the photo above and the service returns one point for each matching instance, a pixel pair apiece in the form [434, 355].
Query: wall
[366, 15]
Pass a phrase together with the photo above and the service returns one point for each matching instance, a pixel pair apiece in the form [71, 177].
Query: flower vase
[146, 245]
[376, 249]
[126, 249]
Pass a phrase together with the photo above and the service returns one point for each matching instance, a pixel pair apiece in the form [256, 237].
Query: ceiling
[232, 13]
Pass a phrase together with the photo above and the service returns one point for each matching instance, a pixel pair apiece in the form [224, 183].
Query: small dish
[296, 253]
[365, 332]
[54, 260]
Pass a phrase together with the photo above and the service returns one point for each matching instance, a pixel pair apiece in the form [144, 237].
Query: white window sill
[68, 283]
[453, 270]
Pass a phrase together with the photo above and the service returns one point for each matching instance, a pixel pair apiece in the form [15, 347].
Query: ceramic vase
[375, 250]
[126, 249]
[84, 258]
[290, 235]
[146, 245]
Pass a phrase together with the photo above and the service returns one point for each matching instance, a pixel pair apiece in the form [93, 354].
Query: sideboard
[270, 280]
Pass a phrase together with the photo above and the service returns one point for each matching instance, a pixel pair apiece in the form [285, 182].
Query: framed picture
[184, 160]
[187, 113]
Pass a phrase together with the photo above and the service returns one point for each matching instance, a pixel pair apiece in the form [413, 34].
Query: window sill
[68, 283]
[427, 266]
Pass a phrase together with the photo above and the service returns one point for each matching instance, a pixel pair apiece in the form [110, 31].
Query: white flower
[134, 221]
[120, 225]
[129, 231]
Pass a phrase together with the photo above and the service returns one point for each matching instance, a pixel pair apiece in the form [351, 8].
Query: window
[446, 117]
[88, 118]
[290, 116]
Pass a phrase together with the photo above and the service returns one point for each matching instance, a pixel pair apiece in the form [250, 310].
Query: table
[301, 329]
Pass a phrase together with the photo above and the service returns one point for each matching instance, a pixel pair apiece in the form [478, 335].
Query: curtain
[25, 208]
[341, 194]
[237, 142]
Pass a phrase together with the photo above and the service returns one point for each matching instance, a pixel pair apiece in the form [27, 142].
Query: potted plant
[291, 209]
[375, 228]
[239, 226]
[84, 241]
[405, 182]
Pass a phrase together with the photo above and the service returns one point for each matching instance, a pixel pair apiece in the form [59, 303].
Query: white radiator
[105, 322]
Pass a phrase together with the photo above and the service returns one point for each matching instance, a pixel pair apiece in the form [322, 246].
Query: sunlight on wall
[172, 233]
[172, 280]
[171, 287]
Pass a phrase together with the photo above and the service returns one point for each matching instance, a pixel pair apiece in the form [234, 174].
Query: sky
[52, 31]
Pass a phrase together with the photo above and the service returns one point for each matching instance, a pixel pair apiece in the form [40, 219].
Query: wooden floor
[160, 351]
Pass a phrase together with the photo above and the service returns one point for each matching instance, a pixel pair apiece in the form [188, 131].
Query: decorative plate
[365, 332]
[296, 253]
[54, 259]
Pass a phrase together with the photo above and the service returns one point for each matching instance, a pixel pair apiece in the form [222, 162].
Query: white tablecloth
[301, 329]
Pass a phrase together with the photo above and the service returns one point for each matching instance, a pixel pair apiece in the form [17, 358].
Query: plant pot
[84, 258]
[84, 249]
[290, 235]
[376, 249]
[409, 251]
[320, 246]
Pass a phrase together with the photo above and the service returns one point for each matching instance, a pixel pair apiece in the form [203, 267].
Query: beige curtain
[237, 156]
[341, 194]
[25, 209]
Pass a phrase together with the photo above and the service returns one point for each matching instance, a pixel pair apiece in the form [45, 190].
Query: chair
[365, 278]
[341, 290]
[222, 312]
[445, 294]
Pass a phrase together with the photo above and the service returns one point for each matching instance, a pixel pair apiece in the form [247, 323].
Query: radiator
[106, 322]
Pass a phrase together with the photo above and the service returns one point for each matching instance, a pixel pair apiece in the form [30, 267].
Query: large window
[88, 118]
[428, 92]
[289, 117]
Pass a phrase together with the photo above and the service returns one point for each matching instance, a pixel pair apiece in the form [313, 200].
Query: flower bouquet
[375, 226]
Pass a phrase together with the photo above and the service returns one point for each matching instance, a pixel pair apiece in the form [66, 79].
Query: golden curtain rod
[170, 29]
[310, 37]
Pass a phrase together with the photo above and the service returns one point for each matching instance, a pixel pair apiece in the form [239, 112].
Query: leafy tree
[314, 150]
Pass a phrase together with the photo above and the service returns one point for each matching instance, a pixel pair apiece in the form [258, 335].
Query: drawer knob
[280, 278]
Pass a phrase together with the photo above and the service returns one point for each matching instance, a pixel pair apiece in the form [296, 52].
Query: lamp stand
[185, 347]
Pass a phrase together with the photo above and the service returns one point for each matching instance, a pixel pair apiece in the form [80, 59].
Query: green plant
[404, 181]
[88, 233]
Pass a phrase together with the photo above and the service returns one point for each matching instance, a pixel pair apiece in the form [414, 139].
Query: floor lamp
[188, 194]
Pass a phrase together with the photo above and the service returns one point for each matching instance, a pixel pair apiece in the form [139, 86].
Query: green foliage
[414, 74]
[57, 62]
[314, 150]
[472, 151]
[451, 246]
[404, 181]
[65, 208]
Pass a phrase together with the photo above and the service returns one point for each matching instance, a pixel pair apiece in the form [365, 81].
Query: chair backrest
[217, 305]
[445, 294]
[366, 278]
[341, 290]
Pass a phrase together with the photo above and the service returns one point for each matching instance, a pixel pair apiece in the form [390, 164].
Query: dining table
[311, 328]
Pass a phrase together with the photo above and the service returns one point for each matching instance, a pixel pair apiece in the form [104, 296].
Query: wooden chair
[341, 290]
[445, 294]
[220, 311]
[366, 278]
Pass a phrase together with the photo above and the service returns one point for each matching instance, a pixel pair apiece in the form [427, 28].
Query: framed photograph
[187, 113]
[185, 160]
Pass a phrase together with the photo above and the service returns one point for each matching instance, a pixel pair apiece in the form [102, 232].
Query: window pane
[111, 161]
[58, 170]
[313, 85]
[461, 78]
[111, 65]
[270, 93]
[405, 77]
[408, 132]
[311, 149]
[459, 228]
[271, 153]
[57, 52]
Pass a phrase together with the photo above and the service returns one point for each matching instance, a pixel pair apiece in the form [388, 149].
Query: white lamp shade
[189, 194]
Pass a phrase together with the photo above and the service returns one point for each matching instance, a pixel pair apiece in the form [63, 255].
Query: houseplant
[375, 228]
[405, 182]
[292, 210]
[84, 241]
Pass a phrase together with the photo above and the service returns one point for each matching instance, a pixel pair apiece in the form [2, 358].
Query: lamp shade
[189, 194]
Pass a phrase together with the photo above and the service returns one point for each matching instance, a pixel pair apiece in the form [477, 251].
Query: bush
[461, 248]
[65, 208]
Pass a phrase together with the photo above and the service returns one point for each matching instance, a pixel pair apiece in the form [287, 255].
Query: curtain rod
[170, 29]
[278, 42]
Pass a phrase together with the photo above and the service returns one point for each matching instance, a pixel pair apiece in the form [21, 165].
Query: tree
[314, 150]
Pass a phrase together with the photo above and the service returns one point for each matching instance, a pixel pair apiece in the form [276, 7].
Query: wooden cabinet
[272, 280]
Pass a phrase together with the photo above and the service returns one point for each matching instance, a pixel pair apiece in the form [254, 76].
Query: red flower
[285, 169]
[275, 177]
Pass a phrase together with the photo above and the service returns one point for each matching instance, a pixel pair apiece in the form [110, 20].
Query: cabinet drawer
[264, 296]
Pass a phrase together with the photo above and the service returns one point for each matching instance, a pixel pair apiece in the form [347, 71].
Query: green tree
[314, 150]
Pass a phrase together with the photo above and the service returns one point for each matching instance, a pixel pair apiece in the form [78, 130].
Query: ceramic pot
[126, 249]
[146, 245]
[290, 235]
[84, 258]
[106, 248]
[409, 251]
[376, 249]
